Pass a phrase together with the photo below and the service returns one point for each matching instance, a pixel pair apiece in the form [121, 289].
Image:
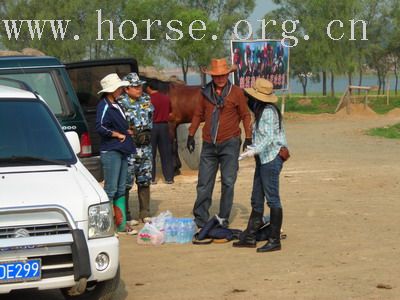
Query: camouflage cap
[134, 79]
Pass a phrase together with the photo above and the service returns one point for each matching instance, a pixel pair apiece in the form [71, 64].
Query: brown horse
[184, 99]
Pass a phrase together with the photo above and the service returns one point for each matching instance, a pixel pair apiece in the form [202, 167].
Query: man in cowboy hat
[222, 107]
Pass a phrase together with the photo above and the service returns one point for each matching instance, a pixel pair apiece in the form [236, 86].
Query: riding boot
[128, 212]
[274, 241]
[247, 238]
[144, 201]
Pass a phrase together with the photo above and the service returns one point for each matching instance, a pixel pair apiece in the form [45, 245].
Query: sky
[262, 7]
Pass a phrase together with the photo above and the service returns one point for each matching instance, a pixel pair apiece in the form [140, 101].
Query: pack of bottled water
[179, 230]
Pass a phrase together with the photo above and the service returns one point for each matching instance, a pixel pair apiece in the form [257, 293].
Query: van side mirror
[73, 140]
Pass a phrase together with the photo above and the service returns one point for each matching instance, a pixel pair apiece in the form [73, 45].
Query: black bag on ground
[214, 230]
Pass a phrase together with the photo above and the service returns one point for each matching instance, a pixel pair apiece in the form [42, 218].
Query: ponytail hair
[257, 107]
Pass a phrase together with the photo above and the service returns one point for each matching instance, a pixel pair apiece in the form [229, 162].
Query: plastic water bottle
[192, 230]
[186, 230]
[168, 230]
[180, 237]
[174, 230]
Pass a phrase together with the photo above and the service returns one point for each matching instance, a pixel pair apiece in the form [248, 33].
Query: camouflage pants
[139, 167]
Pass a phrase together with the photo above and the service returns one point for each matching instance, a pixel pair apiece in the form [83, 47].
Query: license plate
[25, 270]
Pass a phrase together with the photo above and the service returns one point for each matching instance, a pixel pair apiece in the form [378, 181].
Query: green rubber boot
[120, 214]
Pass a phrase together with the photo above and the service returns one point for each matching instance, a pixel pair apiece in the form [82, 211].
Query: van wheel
[97, 291]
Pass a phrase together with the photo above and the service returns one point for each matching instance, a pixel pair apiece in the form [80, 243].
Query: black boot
[274, 242]
[128, 212]
[247, 238]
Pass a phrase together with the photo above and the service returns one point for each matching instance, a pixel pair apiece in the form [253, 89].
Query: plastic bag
[149, 234]
[159, 221]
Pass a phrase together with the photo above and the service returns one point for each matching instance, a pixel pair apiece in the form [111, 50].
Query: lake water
[341, 83]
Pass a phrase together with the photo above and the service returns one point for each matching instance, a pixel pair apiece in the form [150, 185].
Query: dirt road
[340, 192]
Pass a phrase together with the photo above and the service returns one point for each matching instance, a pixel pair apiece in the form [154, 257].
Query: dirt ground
[340, 192]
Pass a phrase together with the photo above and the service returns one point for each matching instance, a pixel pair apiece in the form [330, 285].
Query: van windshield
[39, 81]
[29, 134]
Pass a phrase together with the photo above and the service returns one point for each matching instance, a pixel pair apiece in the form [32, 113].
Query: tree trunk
[304, 84]
[379, 82]
[203, 78]
[349, 74]
[397, 78]
[185, 76]
[332, 84]
[323, 83]
[185, 67]
[303, 81]
[360, 78]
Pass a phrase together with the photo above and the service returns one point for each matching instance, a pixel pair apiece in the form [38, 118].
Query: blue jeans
[224, 155]
[115, 167]
[266, 184]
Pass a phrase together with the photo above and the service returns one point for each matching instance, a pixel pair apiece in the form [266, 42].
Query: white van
[56, 222]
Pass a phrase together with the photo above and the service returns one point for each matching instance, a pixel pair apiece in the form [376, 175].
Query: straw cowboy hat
[111, 83]
[219, 66]
[263, 90]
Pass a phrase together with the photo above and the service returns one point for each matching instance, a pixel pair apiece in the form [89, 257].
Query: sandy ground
[340, 191]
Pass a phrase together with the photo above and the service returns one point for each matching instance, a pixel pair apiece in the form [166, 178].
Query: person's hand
[247, 142]
[248, 153]
[121, 137]
[190, 144]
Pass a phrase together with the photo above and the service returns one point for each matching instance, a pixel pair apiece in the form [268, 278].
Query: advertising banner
[268, 59]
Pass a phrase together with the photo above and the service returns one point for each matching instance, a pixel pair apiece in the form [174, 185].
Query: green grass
[390, 132]
[320, 104]
[379, 104]
[317, 105]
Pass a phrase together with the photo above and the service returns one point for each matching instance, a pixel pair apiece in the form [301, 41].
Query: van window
[86, 81]
[28, 129]
[41, 82]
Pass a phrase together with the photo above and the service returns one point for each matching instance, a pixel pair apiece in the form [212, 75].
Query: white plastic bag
[149, 234]
[159, 221]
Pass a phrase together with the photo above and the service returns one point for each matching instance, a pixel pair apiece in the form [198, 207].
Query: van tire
[104, 290]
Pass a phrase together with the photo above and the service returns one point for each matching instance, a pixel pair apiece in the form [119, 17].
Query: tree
[225, 14]
[192, 50]
[83, 24]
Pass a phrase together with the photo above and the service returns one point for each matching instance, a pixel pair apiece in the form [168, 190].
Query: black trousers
[161, 140]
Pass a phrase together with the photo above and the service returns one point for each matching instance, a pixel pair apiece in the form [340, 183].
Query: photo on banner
[267, 59]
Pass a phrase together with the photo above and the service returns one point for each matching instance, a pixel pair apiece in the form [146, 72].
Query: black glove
[247, 142]
[190, 144]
